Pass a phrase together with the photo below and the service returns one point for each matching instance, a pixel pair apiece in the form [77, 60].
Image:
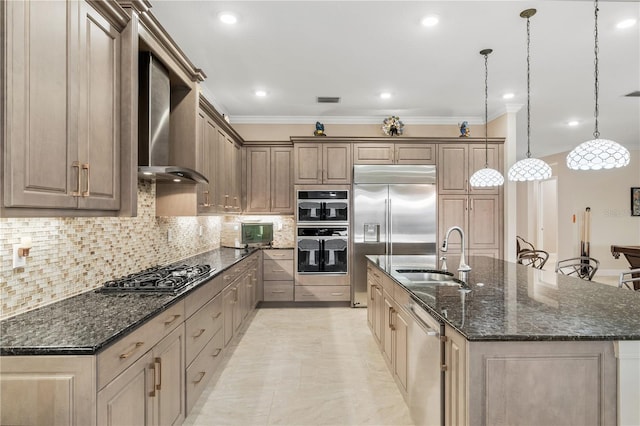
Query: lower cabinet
[278, 275]
[455, 378]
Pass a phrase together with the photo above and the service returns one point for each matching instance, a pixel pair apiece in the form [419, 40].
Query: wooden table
[632, 253]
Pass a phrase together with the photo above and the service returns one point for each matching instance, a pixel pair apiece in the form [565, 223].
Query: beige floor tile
[303, 366]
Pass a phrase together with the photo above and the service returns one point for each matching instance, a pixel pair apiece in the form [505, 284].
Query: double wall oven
[322, 236]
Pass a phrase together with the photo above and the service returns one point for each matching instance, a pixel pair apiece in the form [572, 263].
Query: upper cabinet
[322, 163]
[457, 162]
[394, 153]
[269, 183]
[62, 107]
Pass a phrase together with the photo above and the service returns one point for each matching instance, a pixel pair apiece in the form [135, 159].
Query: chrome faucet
[463, 268]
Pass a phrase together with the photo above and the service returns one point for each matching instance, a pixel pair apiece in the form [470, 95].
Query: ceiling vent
[635, 94]
[328, 99]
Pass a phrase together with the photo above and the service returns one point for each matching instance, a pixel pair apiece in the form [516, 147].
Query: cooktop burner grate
[159, 279]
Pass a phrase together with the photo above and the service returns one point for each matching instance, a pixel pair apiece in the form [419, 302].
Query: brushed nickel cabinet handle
[135, 348]
[202, 330]
[153, 387]
[88, 191]
[217, 352]
[172, 320]
[199, 379]
[277, 270]
[277, 291]
[216, 316]
[76, 165]
[337, 294]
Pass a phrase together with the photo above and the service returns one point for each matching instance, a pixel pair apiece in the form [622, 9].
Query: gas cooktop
[165, 279]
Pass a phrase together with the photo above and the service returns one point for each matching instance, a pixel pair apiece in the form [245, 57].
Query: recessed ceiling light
[573, 123]
[177, 180]
[508, 96]
[260, 93]
[385, 95]
[430, 21]
[228, 17]
[626, 23]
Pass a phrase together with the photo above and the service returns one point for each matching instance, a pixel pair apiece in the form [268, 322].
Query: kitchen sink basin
[418, 276]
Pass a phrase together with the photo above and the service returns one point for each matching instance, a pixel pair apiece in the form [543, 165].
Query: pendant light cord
[528, 90]
[596, 133]
[486, 95]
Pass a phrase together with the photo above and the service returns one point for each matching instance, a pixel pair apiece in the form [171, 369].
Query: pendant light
[597, 153]
[486, 176]
[529, 169]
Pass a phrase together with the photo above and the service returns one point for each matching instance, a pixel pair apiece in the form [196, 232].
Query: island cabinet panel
[322, 163]
[48, 390]
[455, 378]
[550, 383]
[63, 133]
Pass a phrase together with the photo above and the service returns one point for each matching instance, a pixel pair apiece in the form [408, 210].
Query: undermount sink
[420, 276]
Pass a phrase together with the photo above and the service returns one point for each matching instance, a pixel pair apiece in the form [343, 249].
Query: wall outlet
[200, 231]
[169, 236]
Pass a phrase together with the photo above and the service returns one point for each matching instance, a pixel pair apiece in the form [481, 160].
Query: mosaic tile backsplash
[74, 255]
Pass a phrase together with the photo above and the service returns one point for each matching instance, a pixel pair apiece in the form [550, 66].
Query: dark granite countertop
[508, 302]
[87, 323]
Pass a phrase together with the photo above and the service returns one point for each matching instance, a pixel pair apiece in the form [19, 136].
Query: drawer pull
[202, 330]
[216, 316]
[199, 379]
[277, 291]
[135, 348]
[277, 270]
[218, 350]
[337, 294]
[173, 318]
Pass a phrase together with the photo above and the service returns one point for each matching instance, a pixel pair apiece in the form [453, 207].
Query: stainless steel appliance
[324, 206]
[394, 212]
[425, 375]
[160, 279]
[322, 255]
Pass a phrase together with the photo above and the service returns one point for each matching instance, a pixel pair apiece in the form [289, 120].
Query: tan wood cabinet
[63, 72]
[277, 266]
[322, 163]
[169, 379]
[394, 153]
[479, 212]
[269, 179]
[455, 378]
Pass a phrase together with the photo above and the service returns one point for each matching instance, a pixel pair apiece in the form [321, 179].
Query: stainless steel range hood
[154, 110]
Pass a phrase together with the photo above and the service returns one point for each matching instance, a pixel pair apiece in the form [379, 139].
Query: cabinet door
[452, 169]
[455, 379]
[373, 153]
[221, 190]
[207, 135]
[169, 366]
[336, 163]
[485, 222]
[415, 153]
[127, 399]
[41, 144]
[258, 180]
[99, 112]
[453, 210]
[477, 157]
[387, 340]
[308, 163]
[400, 349]
[282, 180]
[379, 319]
[370, 300]
[228, 300]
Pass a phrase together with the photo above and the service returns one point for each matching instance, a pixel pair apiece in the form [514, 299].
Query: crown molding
[412, 120]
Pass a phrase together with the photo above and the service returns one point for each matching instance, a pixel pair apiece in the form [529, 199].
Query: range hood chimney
[154, 110]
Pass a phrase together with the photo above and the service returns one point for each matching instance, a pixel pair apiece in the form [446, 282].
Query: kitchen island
[526, 346]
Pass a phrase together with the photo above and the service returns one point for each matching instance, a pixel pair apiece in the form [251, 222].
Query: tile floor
[303, 366]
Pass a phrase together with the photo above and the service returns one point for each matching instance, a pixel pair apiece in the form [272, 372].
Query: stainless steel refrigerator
[394, 212]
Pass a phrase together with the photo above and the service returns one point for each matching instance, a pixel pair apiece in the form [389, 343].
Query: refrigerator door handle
[386, 226]
[390, 228]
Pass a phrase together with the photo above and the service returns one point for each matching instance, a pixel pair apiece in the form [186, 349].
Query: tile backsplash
[74, 255]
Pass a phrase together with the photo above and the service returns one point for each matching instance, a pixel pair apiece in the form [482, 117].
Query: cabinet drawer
[202, 326]
[278, 291]
[121, 354]
[400, 295]
[278, 270]
[202, 295]
[387, 283]
[273, 254]
[374, 274]
[203, 367]
[313, 293]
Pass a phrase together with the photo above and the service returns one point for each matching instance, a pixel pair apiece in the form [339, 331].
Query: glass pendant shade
[598, 154]
[486, 177]
[529, 169]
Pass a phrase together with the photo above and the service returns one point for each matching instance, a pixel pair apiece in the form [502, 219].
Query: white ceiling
[298, 50]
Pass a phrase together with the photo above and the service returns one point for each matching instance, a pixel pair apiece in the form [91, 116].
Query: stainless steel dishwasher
[426, 378]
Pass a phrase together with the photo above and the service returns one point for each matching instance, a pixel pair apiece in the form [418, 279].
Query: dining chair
[533, 258]
[523, 245]
[628, 280]
[583, 267]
